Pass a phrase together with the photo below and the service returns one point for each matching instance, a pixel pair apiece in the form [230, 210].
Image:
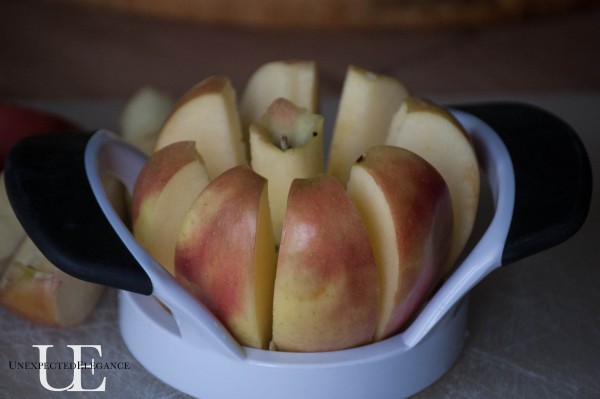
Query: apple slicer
[539, 177]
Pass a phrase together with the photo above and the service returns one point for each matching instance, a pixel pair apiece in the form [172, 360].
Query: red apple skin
[232, 218]
[215, 256]
[421, 209]
[17, 122]
[157, 172]
[326, 286]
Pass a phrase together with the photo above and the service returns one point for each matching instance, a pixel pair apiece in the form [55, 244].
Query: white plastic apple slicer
[190, 350]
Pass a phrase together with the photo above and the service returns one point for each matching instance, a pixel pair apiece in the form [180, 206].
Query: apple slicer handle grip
[553, 177]
[48, 188]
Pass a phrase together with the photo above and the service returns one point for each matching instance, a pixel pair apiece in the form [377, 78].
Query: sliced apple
[207, 114]
[295, 80]
[143, 116]
[407, 210]
[326, 288]
[432, 132]
[286, 144]
[166, 188]
[225, 254]
[36, 290]
[367, 104]
[11, 231]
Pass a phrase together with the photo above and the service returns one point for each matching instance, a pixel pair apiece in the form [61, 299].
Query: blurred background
[107, 49]
[534, 327]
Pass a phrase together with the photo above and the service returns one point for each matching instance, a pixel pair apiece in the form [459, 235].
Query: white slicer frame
[189, 350]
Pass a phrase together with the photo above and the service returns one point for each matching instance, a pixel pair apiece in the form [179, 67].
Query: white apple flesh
[432, 132]
[36, 290]
[407, 210]
[11, 231]
[286, 144]
[166, 188]
[367, 104]
[294, 80]
[143, 116]
[207, 115]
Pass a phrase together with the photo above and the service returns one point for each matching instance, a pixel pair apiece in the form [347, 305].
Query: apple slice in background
[295, 80]
[432, 132]
[11, 231]
[286, 144]
[18, 121]
[143, 116]
[225, 254]
[207, 114]
[326, 287]
[166, 188]
[36, 290]
[367, 104]
[406, 206]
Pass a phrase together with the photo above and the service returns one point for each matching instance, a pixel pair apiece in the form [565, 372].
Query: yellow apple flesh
[225, 254]
[407, 210]
[36, 290]
[367, 104]
[286, 144]
[166, 188]
[326, 287]
[207, 114]
[143, 116]
[432, 132]
[11, 231]
[295, 80]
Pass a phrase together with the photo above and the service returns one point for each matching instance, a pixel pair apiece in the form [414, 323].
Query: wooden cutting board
[335, 14]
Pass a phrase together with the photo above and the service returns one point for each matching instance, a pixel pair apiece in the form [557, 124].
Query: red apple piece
[406, 206]
[225, 254]
[166, 188]
[326, 287]
[19, 121]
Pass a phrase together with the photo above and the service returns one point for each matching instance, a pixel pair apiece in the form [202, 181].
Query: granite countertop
[534, 326]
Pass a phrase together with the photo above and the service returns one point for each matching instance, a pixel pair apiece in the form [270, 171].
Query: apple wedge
[166, 188]
[326, 287]
[295, 80]
[225, 254]
[207, 114]
[432, 132]
[367, 104]
[11, 231]
[286, 144]
[36, 290]
[143, 116]
[406, 207]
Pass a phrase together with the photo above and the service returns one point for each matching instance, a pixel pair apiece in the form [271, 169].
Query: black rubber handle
[49, 191]
[553, 176]
[48, 188]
